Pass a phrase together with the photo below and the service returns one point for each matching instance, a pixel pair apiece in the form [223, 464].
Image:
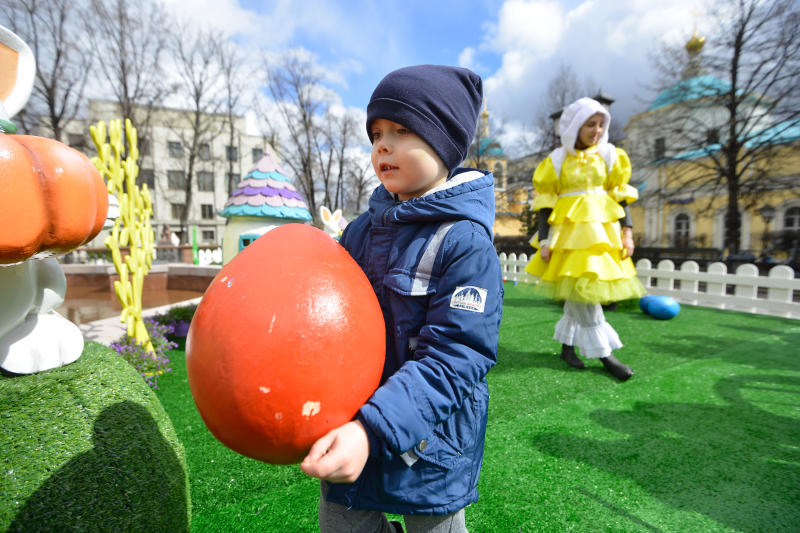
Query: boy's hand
[544, 252]
[340, 455]
[627, 242]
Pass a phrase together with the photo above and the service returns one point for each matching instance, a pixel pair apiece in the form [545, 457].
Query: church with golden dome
[672, 145]
[677, 149]
[486, 153]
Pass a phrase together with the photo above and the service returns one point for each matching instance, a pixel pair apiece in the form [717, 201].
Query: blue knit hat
[438, 103]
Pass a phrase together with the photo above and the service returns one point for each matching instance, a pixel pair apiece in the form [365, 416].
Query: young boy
[416, 446]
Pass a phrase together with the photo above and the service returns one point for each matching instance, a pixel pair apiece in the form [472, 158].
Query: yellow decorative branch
[132, 228]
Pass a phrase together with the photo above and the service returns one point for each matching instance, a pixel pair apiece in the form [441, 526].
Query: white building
[164, 159]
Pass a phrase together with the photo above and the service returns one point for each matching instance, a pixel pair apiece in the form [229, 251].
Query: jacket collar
[467, 195]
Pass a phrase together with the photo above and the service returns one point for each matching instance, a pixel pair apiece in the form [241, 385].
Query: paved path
[107, 330]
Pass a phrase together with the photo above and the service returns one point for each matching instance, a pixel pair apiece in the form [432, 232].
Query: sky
[517, 46]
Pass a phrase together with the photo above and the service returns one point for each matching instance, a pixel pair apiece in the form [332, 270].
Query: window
[207, 211]
[233, 181]
[178, 210]
[146, 176]
[175, 149]
[791, 219]
[176, 179]
[144, 146]
[680, 233]
[712, 136]
[660, 148]
[258, 153]
[205, 181]
[208, 235]
[204, 152]
[231, 153]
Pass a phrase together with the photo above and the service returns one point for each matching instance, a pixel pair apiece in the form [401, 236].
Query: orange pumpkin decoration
[52, 198]
[287, 344]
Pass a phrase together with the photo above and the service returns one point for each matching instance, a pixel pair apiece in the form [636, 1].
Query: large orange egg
[287, 343]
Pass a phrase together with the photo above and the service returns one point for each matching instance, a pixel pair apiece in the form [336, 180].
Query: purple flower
[149, 365]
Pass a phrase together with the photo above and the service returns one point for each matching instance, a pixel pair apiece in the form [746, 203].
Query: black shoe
[568, 355]
[617, 369]
[398, 527]
[613, 306]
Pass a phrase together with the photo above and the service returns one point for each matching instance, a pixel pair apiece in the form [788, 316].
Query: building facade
[164, 147]
[486, 153]
[672, 145]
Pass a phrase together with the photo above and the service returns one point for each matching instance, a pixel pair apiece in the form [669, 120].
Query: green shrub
[175, 314]
[181, 312]
[89, 447]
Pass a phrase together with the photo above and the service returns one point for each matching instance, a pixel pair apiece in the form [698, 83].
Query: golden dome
[695, 44]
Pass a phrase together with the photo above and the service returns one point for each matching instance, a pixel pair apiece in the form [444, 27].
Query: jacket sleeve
[456, 347]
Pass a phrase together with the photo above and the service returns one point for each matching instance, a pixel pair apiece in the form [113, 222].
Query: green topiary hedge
[88, 447]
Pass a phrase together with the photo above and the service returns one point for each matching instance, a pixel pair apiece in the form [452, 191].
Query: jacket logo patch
[469, 298]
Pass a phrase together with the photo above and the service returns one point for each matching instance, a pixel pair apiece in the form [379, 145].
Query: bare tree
[293, 82]
[563, 89]
[53, 31]
[131, 38]
[735, 101]
[359, 182]
[338, 134]
[480, 143]
[231, 63]
[198, 70]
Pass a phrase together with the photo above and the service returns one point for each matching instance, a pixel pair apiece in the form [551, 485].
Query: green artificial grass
[89, 447]
[704, 437]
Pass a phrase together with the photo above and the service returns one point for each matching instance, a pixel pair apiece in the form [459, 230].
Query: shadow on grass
[514, 360]
[617, 510]
[768, 349]
[735, 463]
[131, 480]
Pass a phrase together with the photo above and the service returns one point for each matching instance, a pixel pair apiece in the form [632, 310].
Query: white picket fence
[743, 290]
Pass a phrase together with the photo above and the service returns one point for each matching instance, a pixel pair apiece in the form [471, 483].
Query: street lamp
[767, 213]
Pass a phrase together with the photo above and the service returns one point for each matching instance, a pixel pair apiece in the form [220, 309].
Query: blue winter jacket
[434, 269]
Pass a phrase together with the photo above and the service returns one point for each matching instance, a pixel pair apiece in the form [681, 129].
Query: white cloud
[466, 58]
[534, 27]
[607, 42]
[223, 15]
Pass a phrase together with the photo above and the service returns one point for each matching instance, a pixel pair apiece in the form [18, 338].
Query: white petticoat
[584, 326]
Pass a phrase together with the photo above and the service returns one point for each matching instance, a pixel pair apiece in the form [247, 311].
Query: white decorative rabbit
[334, 223]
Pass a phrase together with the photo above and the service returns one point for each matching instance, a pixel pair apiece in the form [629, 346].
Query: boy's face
[405, 164]
[591, 131]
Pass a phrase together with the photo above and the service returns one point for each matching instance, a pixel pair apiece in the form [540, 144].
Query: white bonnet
[573, 117]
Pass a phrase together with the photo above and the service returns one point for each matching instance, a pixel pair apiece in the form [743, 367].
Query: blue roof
[690, 89]
[489, 146]
[780, 133]
[266, 211]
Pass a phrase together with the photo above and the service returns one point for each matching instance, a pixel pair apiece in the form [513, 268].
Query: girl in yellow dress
[585, 239]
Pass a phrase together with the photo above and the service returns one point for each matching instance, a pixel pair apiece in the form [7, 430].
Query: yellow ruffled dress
[587, 262]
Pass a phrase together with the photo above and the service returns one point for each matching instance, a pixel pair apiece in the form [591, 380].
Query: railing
[207, 255]
[776, 294]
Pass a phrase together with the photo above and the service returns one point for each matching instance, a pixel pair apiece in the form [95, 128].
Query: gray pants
[335, 518]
